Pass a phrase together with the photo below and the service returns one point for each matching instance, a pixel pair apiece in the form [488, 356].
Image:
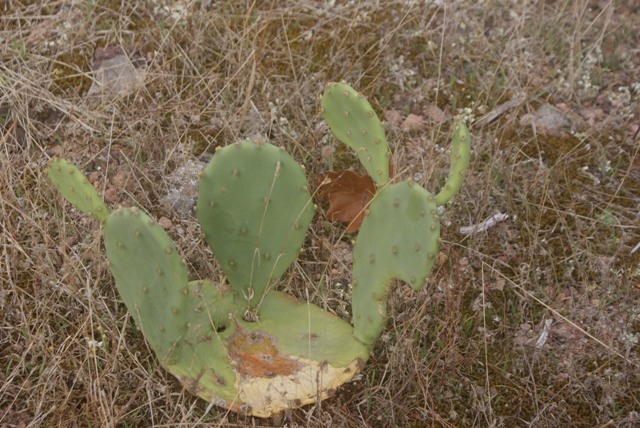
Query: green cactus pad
[459, 159]
[305, 330]
[151, 278]
[75, 187]
[399, 238]
[204, 367]
[254, 207]
[184, 323]
[353, 121]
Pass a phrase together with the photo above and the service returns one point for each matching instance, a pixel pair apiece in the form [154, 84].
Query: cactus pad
[459, 162]
[353, 121]
[399, 238]
[254, 207]
[150, 276]
[203, 366]
[75, 187]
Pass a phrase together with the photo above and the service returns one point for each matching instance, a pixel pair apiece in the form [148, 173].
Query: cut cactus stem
[459, 162]
[295, 355]
[353, 121]
[76, 188]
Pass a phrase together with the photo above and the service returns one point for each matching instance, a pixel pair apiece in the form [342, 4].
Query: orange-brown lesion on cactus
[255, 354]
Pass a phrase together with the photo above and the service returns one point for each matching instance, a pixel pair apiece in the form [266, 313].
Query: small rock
[592, 115]
[55, 150]
[326, 153]
[393, 118]
[94, 177]
[552, 118]
[121, 181]
[165, 223]
[499, 284]
[413, 123]
[435, 113]
[567, 333]
[183, 183]
[549, 119]
[442, 259]
[116, 72]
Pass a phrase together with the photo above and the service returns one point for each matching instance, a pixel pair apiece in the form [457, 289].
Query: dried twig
[500, 110]
[545, 333]
[484, 225]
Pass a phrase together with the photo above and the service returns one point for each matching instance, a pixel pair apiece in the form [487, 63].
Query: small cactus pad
[459, 159]
[151, 278]
[353, 121]
[254, 207]
[75, 187]
[399, 238]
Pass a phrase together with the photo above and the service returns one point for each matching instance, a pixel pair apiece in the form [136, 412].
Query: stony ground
[532, 316]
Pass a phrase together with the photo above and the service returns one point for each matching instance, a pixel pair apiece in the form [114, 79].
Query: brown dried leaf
[348, 195]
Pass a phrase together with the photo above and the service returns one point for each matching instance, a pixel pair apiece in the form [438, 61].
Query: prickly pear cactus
[400, 234]
[243, 345]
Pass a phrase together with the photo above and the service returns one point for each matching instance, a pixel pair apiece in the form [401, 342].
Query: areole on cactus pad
[244, 345]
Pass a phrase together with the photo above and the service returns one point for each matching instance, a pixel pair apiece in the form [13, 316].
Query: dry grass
[460, 353]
